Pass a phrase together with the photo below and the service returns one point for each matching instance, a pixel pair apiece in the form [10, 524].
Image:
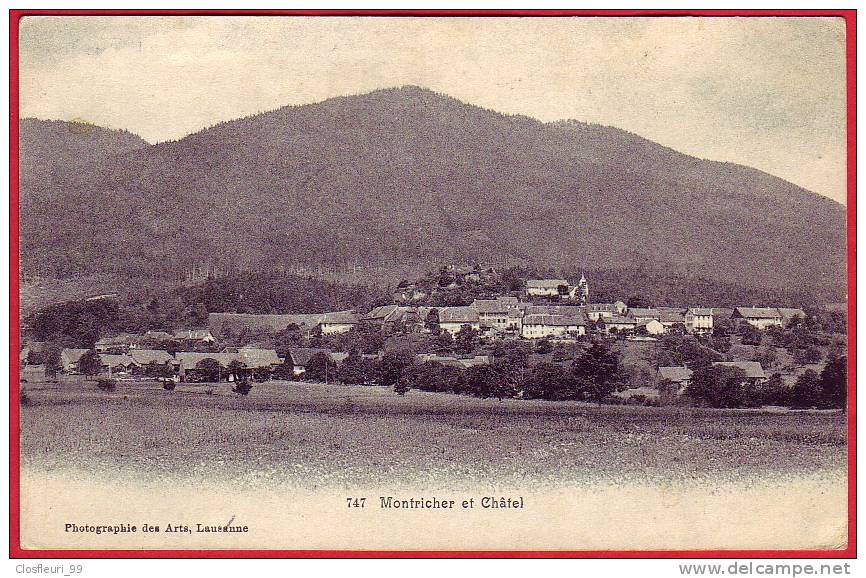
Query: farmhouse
[69, 359]
[670, 317]
[118, 344]
[499, 313]
[148, 358]
[753, 370]
[598, 311]
[541, 325]
[546, 287]
[391, 317]
[338, 322]
[452, 319]
[190, 370]
[112, 363]
[617, 324]
[220, 323]
[640, 314]
[680, 376]
[760, 317]
[299, 357]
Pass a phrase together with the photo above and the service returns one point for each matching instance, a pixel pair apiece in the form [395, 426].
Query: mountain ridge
[410, 175]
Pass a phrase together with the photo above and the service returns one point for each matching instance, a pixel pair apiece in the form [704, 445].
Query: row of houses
[507, 316]
[125, 342]
[681, 376]
[230, 364]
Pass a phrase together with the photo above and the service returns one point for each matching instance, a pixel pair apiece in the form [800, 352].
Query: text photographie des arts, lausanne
[433, 283]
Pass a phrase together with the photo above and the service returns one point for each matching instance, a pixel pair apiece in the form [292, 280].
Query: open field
[315, 436]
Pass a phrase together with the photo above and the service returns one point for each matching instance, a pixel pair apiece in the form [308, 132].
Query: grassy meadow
[316, 436]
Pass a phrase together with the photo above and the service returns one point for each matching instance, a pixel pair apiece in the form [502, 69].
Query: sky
[764, 92]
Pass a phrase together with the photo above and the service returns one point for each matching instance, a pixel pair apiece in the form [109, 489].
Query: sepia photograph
[357, 282]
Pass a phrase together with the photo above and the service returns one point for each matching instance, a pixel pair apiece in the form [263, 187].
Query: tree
[548, 381]
[834, 383]
[638, 301]
[321, 367]
[210, 369]
[393, 366]
[402, 386]
[236, 368]
[51, 360]
[464, 341]
[750, 334]
[718, 386]
[484, 381]
[767, 357]
[543, 347]
[808, 356]
[596, 372]
[355, 370]
[775, 392]
[807, 391]
[89, 363]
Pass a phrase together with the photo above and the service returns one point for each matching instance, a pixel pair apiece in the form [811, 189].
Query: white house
[699, 320]
[546, 287]
[541, 325]
[653, 327]
[452, 319]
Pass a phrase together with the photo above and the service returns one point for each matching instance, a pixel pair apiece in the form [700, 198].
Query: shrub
[168, 384]
[106, 384]
[23, 398]
[242, 387]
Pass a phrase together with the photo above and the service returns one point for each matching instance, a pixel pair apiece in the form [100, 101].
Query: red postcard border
[15, 549]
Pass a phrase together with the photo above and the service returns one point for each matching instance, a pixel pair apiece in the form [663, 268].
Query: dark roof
[671, 317]
[145, 356]
[236, 321]
[789, 312]
[545, 283]
[752, 369]
[380, 313]
[643, 312]
[458, 315]
[758, 312]
[498, 305]
[675, 373]
[115, 360]
[255, 357]
[302, 355]
[340, 318]
[700, 311]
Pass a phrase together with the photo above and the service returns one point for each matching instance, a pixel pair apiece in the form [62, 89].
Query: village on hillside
[502, 342]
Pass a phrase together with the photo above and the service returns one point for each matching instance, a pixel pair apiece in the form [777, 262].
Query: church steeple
[583, 290]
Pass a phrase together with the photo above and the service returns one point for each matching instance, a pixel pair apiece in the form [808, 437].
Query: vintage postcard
[563, 283]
